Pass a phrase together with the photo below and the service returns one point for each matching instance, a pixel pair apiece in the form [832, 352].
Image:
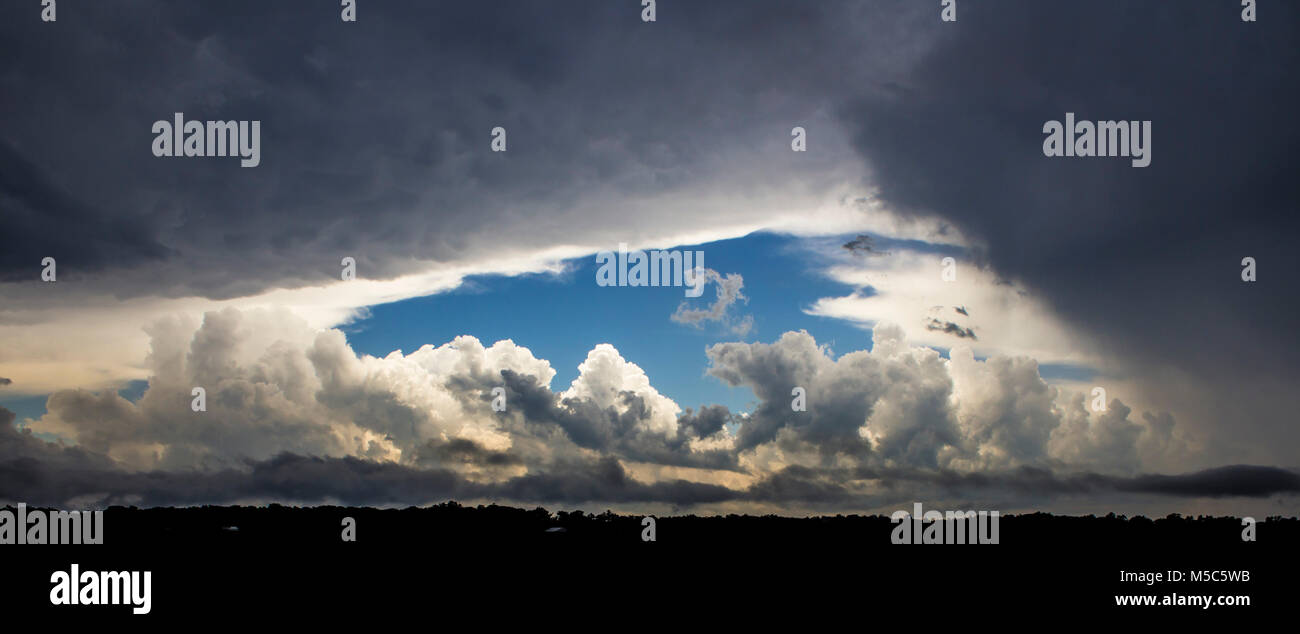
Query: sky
[902, 296]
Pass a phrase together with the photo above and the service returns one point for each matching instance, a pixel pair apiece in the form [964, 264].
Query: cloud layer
[292, 413]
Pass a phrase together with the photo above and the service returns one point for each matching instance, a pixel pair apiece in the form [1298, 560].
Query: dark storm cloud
[79, 235]
[1145, 259]
[375, 134]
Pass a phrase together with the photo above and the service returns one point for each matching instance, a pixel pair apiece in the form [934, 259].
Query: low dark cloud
[462, 451]
[831, 487]
[39, 472]
[1236, 480]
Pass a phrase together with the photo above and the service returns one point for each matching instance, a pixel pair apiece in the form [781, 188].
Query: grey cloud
[728, 293]
[841, 395]
[464, 451]
[708, 421]
[904, 406]
[607, 481]
[863, 245]
[1146, 261]
[605, 429]
[950, 328]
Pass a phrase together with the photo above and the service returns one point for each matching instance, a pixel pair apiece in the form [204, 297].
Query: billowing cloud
[277, 386]
[292, 413]
[274, 385]
[45, 473]
[901, 405]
